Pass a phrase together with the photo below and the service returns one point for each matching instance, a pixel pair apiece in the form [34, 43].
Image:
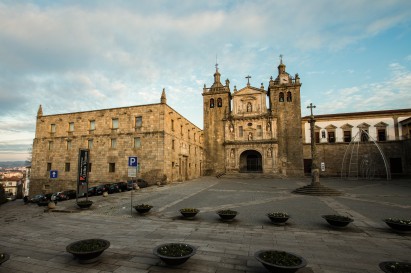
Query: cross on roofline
[248, 79]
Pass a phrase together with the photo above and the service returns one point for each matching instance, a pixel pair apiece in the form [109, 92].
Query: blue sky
[71, 56]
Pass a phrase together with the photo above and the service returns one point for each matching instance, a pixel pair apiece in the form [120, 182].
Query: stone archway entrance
[251, 161]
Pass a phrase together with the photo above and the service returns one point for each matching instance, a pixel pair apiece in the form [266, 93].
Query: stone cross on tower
[281, 58]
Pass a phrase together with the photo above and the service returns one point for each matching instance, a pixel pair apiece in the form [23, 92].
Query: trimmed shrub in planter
[278, 217]
[398, 224]
[143, 208]
[4, 257]
[189, 212]
[227, 214]
[84, 204]
[337, 220]
[88, 249]
[280, 261]
[395, 267]
[174, 253]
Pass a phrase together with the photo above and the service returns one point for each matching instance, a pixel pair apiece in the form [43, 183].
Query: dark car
[142, 183]
[70, 194]
[102, 188]
[113, 188]
[91, 191]
[122, 186]
[36, 198]
[60, 196]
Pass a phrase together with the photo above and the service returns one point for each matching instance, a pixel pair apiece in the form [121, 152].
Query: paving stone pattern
[36, 238]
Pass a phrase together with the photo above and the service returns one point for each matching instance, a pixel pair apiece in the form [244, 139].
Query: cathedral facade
[253, 129]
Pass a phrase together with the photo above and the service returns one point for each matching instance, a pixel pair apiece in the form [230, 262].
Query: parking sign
[132, 161]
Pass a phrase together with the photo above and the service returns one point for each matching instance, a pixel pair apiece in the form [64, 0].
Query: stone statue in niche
[231, 128]
[250, 136]
[269, 152]
[269, 126]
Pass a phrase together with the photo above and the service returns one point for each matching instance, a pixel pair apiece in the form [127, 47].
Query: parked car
[113, 188]
[131, 185]
[70, 194]
[91, 191]
[36, 198]
[142, 183]
[122, 186]
[102, 188]
[60, 196]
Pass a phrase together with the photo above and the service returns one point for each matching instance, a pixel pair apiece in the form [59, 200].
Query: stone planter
[337, 220]
[143, 208]
[88, 250]
[85, 204]
[398, 224]
[189, 213]
[4, 257]
[227, 215]
[174, 253]
[395, 267]
[278, 217]
[280, 261]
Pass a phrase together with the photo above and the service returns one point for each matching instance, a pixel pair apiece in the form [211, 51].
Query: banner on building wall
[82, 179]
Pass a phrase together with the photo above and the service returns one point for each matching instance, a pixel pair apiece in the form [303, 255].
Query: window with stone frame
[364, 135]
[137, 142]
[111, 167]
[92, 124]
[219, 102]
[240, 131]
[347, 132]
[317, 136]
[289, 97]
[114, 123]
[50, 145]
[69, 144]
[173, 144]
[281, 97]
[139, 122]
[211, 103]
[331, 137]
[113, 142]
[331, 133]
[67, 167]
[52, 128]
[71, 127]
[381, 128]
[48, 166]
[90, 143]
[172, 125]
[381, 135]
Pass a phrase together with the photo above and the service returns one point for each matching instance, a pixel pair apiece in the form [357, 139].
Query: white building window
[114, 123]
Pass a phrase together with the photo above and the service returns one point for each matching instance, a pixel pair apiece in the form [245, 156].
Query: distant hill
[14, 164]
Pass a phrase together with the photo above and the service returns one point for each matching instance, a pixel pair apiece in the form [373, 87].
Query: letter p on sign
[132, 161]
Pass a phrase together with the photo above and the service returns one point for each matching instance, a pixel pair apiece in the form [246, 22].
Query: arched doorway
[251, 161]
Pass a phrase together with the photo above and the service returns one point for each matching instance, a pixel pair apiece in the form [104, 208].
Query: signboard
[132, 166]
[54, 174]
[82, 179]
[322, 166]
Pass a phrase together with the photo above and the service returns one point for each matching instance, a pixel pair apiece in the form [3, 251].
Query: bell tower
[285, 105]
[216, 109]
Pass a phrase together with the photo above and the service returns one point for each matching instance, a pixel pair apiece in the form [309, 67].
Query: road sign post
[132, 173]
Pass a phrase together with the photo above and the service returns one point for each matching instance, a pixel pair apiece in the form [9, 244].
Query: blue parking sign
[132, 161]
[54, 174]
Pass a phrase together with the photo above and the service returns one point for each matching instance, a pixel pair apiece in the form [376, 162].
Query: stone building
[244, 133]
[389, 129]
[168, 146]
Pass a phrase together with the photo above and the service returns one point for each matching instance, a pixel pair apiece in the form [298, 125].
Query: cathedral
[244, 133]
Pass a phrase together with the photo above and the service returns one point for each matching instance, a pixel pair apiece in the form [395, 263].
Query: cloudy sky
[70, 56]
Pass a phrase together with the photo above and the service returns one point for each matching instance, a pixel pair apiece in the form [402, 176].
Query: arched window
[219, 102]
[289, 97]
[211, 103]
[281, 97]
